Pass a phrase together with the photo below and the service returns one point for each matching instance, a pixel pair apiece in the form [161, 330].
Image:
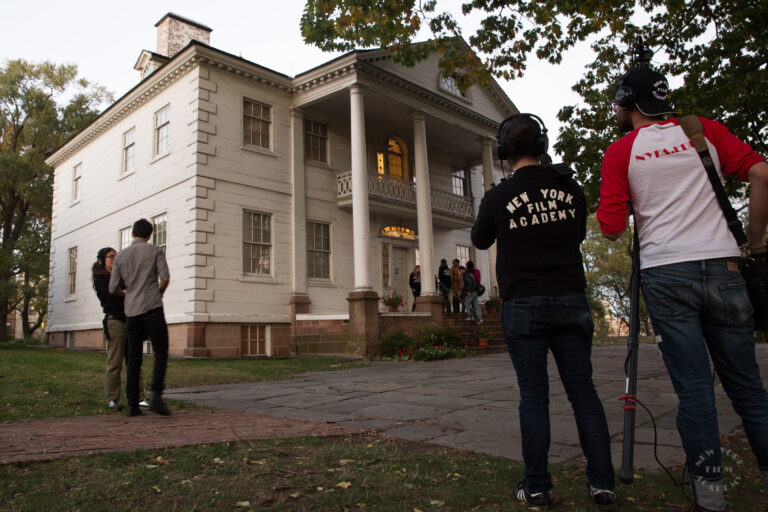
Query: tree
[41, 106]
[717, 50]
[608, 268]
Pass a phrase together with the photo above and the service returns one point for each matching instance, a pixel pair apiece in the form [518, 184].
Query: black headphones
[542, 141]
[101, 256]
[625, 95]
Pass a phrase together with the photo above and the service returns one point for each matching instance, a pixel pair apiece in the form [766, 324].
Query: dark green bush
[431, 335]
[394, 341]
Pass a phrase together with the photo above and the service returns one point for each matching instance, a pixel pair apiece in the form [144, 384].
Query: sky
[105, 39]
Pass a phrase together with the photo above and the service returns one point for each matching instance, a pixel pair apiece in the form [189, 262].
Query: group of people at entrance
[460, 286]
[693, 290]
[130, 286]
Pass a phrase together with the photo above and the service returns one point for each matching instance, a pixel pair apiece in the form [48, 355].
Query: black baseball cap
[651, 91]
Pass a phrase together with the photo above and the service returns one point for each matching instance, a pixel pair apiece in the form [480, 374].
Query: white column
[298, 203]
[487, 152]
[423, 205]
[360, 216]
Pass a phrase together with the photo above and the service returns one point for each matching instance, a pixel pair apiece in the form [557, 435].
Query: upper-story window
[257, 122]
[395, 163]
[463, 254]
[315, 141]
[160, 230]
[72, 271]
[76, 176]
[162, 122]
[459, 182]
[129, 147]
[448, 84]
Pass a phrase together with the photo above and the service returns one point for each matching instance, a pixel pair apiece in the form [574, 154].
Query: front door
[397, 265]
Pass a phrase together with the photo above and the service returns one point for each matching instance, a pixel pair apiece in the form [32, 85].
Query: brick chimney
[174, 32]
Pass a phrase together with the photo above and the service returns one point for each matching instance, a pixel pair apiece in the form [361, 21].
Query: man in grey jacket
[143, 269]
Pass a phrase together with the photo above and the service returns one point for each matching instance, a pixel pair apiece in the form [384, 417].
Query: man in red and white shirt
[690, 278]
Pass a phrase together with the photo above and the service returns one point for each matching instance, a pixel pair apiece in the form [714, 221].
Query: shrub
[393, 342]
[431, 335]
[437, 352]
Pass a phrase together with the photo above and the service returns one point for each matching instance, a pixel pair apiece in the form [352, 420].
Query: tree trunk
[4, 316]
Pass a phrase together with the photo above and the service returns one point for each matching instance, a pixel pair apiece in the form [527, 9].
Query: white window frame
[160, 230]
[125, 237]
[72, 271]
[77, 174]
[260, 119]
[129, 152]
[316, 138]
[463, 253]
[459, 182]
[161, 132]
[328, 251]
[448, 84]
[248, 270]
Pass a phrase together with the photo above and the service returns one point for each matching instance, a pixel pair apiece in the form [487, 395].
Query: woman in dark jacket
[114, 324]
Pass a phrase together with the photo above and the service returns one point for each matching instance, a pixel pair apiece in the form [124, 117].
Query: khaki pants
[115, 358]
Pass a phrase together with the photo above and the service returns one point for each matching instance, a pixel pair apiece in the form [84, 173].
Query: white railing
[381, 186]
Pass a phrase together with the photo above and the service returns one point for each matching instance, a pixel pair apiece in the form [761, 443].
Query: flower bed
[430, 353]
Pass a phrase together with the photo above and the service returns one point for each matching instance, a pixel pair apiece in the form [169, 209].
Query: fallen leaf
[416, 510]
[217, 460]
[186, 482]
[344, 485]
[243, 504]
[295, 495]
[629, 498]
[157, 489]
[437, 503]
[345, 461]
[319, 487]
[260, 461]
[150, 466]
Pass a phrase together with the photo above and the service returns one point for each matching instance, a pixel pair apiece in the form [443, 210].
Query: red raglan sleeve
[614, 188]
[736, 156]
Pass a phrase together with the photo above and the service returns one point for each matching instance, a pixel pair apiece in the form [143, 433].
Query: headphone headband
[541, 143]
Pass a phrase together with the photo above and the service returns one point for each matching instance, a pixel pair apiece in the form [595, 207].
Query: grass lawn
[334, 474]
[356, 473]
[40, 382]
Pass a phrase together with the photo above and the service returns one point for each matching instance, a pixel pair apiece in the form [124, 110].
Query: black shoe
[156, 404]
[604, 499]
[133, 411]
[539, 499]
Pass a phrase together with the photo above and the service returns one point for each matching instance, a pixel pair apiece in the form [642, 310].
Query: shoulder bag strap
[691, 125]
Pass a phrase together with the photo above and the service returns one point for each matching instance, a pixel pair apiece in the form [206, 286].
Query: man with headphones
[538, 218]
[689, 260]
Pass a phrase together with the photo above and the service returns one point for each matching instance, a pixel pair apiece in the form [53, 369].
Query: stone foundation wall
[321, 338]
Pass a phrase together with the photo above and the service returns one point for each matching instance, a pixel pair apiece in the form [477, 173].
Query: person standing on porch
[471, 296]
[142, 268]
[538, 218]
[414, 281]
[457, 285]
[444, 277]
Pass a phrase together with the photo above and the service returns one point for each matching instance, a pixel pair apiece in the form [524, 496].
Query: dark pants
[138, 328]
[701, 309]
[563, 325]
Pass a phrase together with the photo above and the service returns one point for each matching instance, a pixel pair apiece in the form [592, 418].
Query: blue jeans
[472, 302]
[138, 328]
[562, 324]
[700, 305]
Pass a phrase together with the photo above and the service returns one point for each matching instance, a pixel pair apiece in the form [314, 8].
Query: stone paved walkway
[467, 404]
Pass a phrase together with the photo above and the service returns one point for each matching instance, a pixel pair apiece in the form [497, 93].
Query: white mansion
[286, 205]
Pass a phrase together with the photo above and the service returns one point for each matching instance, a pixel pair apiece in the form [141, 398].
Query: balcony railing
[390, 189]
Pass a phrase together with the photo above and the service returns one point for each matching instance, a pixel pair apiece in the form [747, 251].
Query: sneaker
[144, 403]
[539, 499]
[133, 411]
[603, 498]
[156, 404]
[114, 406]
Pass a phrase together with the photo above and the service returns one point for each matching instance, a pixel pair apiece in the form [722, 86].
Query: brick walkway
[38, 440]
